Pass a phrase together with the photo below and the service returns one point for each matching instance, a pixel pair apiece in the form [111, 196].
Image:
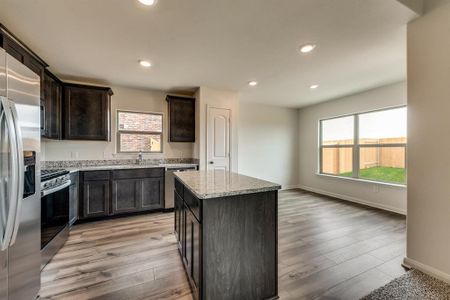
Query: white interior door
[218, 139]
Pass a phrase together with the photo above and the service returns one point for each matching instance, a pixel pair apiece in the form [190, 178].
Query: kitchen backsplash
[114, 162]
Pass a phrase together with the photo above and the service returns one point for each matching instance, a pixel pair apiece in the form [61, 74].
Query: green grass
[396, 175]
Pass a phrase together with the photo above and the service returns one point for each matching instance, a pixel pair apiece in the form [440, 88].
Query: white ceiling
[361, 44]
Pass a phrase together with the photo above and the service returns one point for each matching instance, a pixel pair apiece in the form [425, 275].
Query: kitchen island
[226, 228]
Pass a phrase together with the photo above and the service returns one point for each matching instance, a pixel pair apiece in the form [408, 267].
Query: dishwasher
[170, 183]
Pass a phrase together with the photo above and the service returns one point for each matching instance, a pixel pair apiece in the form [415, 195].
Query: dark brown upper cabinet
[68, 111]
[51, 106]
[86, 112]
[181, 119]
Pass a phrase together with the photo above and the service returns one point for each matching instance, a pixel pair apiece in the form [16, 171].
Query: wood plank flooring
[328, 249]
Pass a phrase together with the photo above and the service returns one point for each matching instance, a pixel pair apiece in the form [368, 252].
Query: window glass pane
[145, 122]
[337, 161]
[383, 164]
[337, 131]
[140, 142]
[383, 127]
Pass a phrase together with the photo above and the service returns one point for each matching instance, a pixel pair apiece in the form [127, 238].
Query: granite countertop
[214, 184]
[123, 167]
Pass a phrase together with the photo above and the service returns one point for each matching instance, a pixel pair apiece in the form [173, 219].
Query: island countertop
[214, 184]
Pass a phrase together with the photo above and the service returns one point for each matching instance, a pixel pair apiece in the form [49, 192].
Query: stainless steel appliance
[169, 182]
[54, 212]
[20, 203]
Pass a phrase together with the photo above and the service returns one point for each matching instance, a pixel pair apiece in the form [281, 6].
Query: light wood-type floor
[328, 249]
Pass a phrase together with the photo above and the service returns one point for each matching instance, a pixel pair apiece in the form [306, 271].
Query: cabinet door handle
[211, 162]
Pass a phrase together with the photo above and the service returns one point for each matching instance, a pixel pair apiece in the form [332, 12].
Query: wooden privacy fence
[339, 160]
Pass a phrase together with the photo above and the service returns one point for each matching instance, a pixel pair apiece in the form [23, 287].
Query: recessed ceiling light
[252, 83]
[148, 2]
[307, 48]
[145, 63]
[313, 86]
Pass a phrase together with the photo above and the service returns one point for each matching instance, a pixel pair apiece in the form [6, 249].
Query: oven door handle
[56, 189]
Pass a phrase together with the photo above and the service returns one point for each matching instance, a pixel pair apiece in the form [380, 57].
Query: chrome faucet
[140, 158]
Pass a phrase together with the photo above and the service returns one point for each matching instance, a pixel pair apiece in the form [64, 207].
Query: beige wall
[220, 99]
[125, 99]
[268, 143]
[379, 195]
[428, 242]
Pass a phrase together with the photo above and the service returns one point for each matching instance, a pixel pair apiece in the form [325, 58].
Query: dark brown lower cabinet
[117, 192]
[188, 234]
[228, 244]
[95, 198]
[126, 194]
[195, 252]
[187, 241]
[73, 197]
[179, 220]
[152, 193]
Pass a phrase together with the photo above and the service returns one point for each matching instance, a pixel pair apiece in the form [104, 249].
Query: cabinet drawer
[138, 173]
[96, 175]
[193, 203]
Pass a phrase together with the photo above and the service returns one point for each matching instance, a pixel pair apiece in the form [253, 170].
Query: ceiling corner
[414, 5]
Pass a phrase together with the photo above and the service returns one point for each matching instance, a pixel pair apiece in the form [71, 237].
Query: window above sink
[139, 132]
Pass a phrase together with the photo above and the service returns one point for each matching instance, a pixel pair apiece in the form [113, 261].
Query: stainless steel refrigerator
[19, 180]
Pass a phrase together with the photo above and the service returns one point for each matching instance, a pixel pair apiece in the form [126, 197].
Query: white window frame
[356, 147]
[119, 131]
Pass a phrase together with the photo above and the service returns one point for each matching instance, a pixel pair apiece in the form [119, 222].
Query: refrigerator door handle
[9, 228]
[20, 177]
[3, 192]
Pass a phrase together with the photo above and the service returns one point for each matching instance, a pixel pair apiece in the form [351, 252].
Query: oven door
[54, 213]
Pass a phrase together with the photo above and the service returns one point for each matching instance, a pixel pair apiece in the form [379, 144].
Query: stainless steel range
[54, 212]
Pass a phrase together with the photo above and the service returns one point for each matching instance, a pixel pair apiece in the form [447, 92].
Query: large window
[138, 131]
[369, 146]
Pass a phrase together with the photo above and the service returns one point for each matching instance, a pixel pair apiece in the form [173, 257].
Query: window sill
[363, 180]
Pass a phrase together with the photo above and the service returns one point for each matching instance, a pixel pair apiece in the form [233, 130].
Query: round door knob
[211, 162]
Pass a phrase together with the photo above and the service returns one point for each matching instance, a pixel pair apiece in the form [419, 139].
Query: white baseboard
[353, 199]
[411, 263]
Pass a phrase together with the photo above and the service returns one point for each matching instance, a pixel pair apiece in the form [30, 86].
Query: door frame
[230, 134]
